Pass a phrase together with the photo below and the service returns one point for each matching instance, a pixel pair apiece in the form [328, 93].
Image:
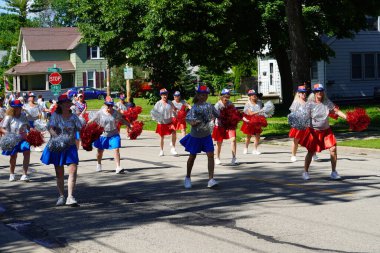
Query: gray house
[354, 72]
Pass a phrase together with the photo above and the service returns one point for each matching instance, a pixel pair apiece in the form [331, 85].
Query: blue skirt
[31, 123]
[66, 157]
[112, 142]
[197, 145]
[22, 146]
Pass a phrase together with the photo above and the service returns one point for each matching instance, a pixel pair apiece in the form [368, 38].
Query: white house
[354, 72]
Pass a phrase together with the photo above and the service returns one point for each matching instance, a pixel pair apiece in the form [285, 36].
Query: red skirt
[220, 133]
[165, 129]
[179, 125]
[296, 133]
[317, 140]
[250, 129]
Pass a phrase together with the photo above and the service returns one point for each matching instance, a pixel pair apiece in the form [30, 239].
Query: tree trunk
[287, 86]
[300, 58]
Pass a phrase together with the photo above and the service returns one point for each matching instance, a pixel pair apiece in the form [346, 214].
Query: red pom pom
[89, 133]
[35, 138]
[137, 128]
[132, 113]
[181, 115]
[85, 116]
[358, 119]
[255, 123]
[230, 117]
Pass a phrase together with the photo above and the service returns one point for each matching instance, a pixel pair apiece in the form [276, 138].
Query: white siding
[264, 77]
[338, 71]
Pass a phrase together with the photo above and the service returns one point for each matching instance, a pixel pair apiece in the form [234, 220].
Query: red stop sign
[55, 78]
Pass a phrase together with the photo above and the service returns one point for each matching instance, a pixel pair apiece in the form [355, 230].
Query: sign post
[55, 79]
[128, 74]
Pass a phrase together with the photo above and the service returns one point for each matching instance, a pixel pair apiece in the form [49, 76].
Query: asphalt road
[262, 205]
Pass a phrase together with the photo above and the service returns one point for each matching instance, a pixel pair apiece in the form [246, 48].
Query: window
[90, 78]
[96, 53]
[369, 66]
[356, 66]
[372, 23]
[314, 70]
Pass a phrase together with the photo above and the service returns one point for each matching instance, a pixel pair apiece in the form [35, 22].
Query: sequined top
[163, 112]
[179, 104]
[15, 125]
[65, 126]
[252, 107]
[80, 107]
[108, 121]
[319, 114]
[32, 112]
[121, 106]
[204, 114]
[219, 106]
[2, 113]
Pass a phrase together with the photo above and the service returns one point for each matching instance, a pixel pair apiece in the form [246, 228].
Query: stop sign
[55, 78]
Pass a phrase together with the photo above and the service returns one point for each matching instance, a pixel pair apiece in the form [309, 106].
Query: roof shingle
[55, 38]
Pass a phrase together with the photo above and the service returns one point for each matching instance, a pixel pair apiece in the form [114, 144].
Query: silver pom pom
[40, 125]
[299, 120]
[156, 116]
[9, 141]
[59, 143]
[91, 115]
[268, 109]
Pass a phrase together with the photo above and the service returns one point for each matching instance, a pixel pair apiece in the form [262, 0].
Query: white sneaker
[256, 152]
[315, 158]
[212, 183]
[25, 178]
[217, 161]
[37, 149]
[305, 176]
[119, 170]
[61, 201]
[161, 153]
[12, 177]
[173, 151]
[99, 167]
[293, 158]
[234, 161]
[71, 201]
[245, 151]
[187, 183]
[335, 176]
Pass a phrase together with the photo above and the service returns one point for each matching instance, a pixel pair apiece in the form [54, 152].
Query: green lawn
[369, 143]
[277, 125]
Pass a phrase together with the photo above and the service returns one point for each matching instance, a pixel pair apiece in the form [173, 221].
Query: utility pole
[108, 80]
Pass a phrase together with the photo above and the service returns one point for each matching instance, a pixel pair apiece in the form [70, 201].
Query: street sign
[128, 73]
[55, 89]
[51, 70]
[55, 78]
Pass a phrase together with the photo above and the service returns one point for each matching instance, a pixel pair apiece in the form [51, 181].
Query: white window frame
[93, 78]
[97, 51]
[363, 66]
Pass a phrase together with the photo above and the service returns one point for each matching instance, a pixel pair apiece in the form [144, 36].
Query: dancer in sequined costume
[199, 139]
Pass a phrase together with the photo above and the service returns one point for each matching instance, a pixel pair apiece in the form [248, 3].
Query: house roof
[53, 38]
[39, 67]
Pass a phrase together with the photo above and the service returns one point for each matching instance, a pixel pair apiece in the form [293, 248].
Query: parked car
[89, 92]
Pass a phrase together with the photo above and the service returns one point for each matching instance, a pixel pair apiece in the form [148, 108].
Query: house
[41, 48]
[354, 72]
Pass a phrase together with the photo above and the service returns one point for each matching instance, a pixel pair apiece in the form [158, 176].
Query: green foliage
[9, 31]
